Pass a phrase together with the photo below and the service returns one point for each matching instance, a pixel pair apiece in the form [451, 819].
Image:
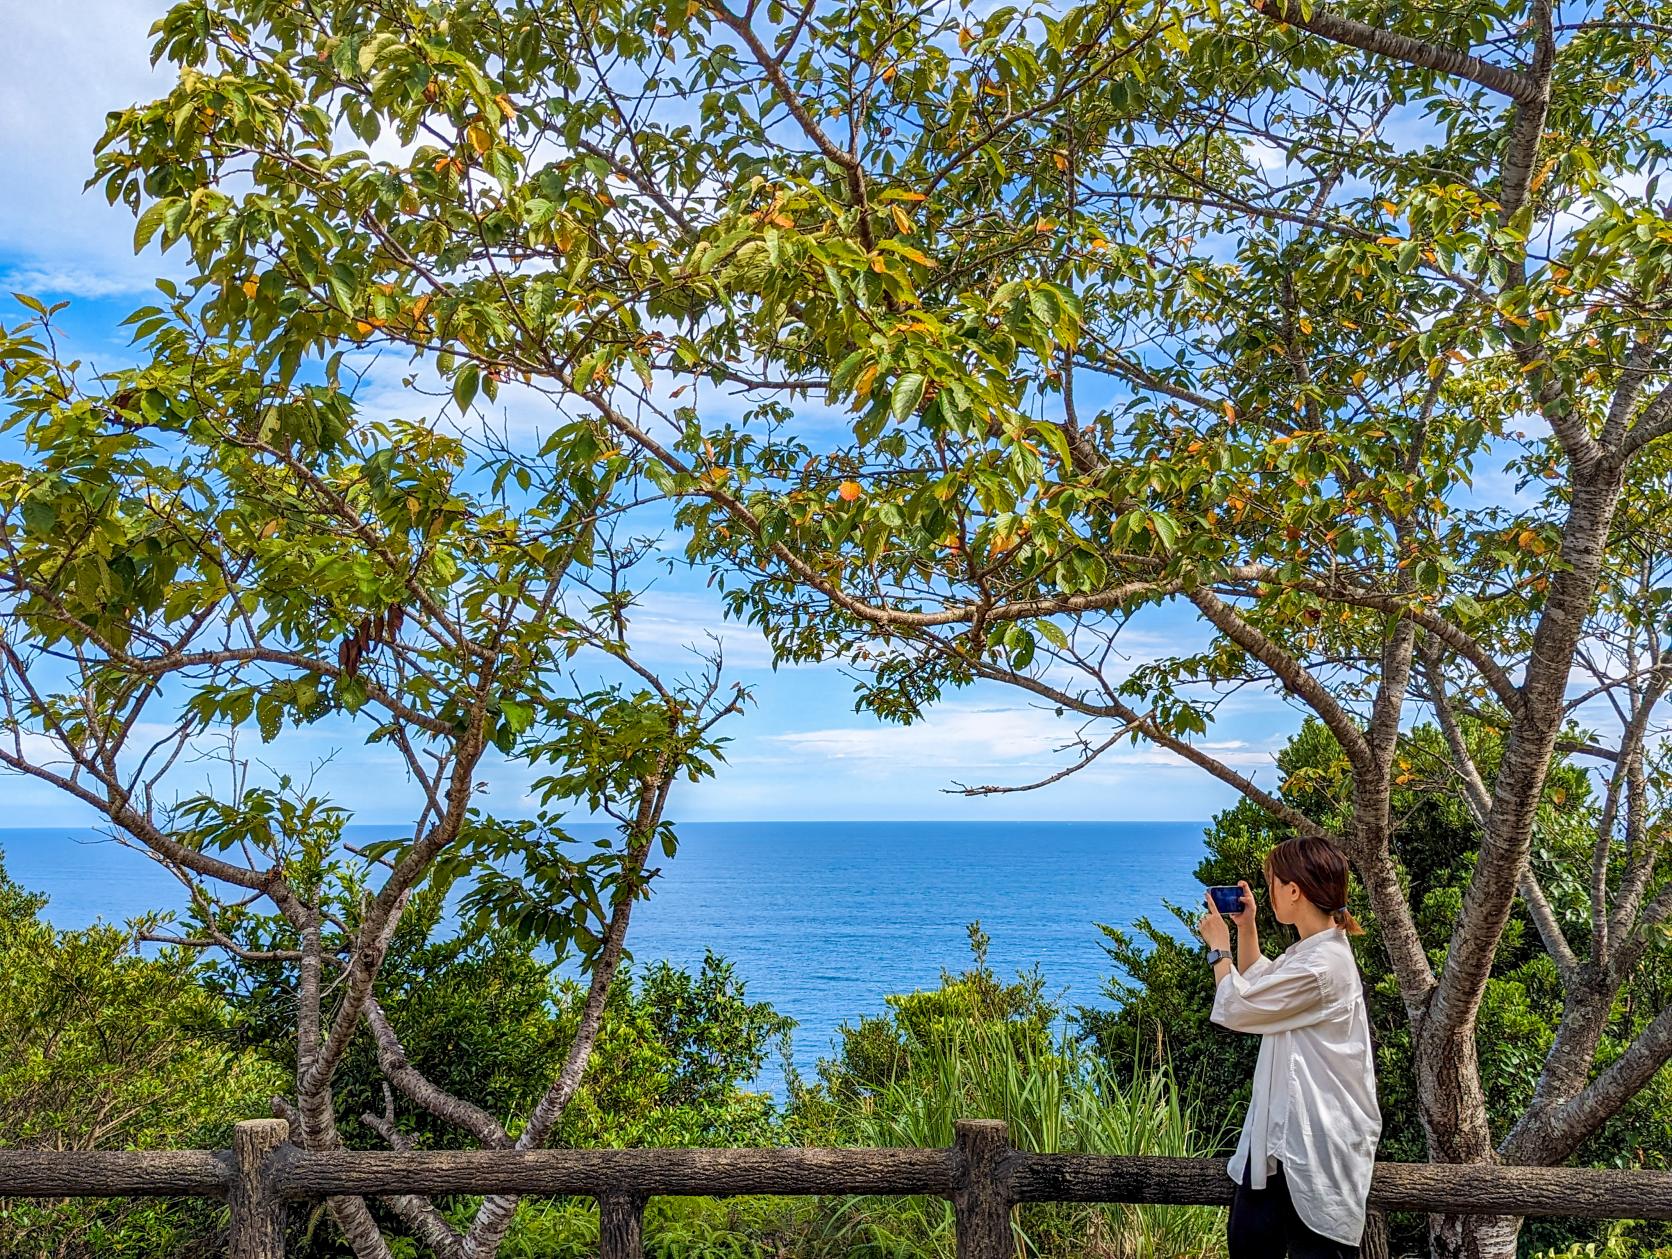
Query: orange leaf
[849, 490]
[505, 106]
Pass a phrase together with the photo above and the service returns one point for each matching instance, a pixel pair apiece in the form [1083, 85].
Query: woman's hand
[1244, 917]
[1215, 931]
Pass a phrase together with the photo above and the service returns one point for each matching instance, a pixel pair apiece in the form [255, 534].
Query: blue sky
[800, 753]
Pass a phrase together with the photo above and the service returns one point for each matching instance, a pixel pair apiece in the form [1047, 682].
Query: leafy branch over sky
[965, 340]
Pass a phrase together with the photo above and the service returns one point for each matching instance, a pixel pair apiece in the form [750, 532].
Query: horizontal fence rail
[980, 1173]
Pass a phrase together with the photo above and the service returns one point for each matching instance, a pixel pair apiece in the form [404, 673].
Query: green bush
[102, 1049]
[979, 1048]
[1163, 992]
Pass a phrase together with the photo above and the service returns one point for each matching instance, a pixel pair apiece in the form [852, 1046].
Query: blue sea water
[822, 919]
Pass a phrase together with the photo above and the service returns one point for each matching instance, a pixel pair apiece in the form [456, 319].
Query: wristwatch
[1219, 955]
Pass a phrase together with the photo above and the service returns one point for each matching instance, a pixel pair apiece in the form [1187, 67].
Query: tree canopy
[967, 339]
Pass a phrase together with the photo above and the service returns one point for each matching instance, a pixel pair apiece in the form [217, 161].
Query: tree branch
[1415, 52]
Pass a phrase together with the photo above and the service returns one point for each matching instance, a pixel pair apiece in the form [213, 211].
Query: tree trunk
[1473, 1236]
[1454, 1118]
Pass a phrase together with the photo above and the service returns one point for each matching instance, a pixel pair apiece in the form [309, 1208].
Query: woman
[1303, 1163]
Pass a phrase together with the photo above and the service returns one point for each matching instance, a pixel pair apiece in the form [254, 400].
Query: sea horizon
[822, 918]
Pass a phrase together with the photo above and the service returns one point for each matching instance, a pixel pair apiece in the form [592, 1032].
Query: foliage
[976, 1047]
[102, 1049]
[878, 1051]
[1163, 993]
[675, 1062]
[198, 545]
[1046, 318]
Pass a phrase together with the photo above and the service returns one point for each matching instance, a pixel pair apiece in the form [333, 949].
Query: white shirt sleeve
[1275, 999]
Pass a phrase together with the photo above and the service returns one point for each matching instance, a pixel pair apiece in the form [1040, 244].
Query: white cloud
[960, 737]
[67, 64]
[667, 626]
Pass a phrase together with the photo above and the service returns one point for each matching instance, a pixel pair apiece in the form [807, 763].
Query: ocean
[822, 919]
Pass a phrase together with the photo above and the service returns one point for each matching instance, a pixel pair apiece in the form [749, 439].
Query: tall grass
[1056, 1099]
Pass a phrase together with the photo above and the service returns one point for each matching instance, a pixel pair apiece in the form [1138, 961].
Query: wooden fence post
[620, 1226]
[982, 1201]
[257, 1212]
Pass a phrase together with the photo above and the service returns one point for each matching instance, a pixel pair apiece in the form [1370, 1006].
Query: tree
[1132, 305]
[1163, 994]
[195, 547]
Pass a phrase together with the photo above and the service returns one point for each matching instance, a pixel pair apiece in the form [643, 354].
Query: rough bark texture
[257, 1209]
[648, 1172]
[109, 1174]
[982, 1200]
[621, 1226]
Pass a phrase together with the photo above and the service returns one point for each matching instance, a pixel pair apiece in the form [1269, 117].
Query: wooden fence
[980, 1173]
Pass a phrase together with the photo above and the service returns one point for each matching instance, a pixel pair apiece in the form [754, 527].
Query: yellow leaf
[1390, 240]
[900, 219]
[250, 286]
[505, 106]
[1305, 324]
[1230, 411]
[849, 491]
[1533, 366]
[481, 139]
[1358, 377]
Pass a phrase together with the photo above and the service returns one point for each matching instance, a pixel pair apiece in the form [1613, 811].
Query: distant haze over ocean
[823, 919]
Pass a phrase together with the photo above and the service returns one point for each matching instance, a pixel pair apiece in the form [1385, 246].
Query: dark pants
[1264, 1225]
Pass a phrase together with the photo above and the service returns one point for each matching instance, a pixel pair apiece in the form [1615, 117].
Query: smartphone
[1227, 900]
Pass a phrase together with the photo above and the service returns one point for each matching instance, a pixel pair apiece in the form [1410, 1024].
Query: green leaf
[464, 386]
[151, 221]
[1045, 306]
[906, 394]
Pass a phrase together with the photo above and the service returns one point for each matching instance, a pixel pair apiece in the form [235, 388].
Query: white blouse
[1314, 1105]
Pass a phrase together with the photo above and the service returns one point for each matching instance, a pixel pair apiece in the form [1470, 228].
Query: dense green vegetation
[104, 1048]
[1161, 1003]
